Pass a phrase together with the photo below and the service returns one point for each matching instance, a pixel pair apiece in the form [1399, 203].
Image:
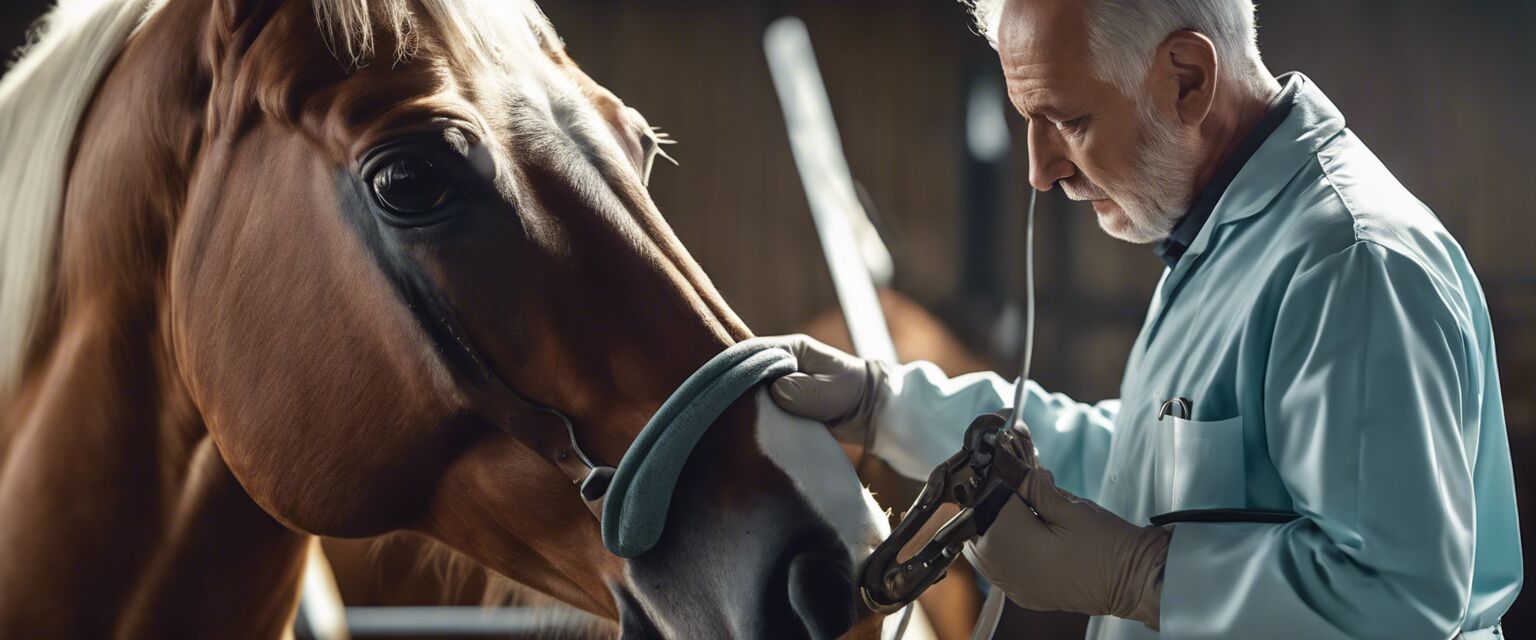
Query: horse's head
[397, 216]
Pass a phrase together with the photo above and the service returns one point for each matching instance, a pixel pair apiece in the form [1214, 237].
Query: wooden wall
[697, 70]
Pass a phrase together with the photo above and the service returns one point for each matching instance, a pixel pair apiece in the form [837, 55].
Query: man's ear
[1185, 74]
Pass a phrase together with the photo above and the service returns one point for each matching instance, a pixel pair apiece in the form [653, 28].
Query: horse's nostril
[821, 592]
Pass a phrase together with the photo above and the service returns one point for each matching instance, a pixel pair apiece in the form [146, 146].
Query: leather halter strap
[631, 501]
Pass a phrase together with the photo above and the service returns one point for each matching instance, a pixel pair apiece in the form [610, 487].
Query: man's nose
[1048, 161]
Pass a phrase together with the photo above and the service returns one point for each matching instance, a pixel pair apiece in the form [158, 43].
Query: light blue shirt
[1336, 349]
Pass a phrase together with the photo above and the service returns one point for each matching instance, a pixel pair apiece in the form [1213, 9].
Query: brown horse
[260, 264]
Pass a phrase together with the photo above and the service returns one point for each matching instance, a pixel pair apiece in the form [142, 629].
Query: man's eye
[1075, 125]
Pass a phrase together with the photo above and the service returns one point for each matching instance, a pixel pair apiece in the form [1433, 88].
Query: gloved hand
[1070, 554]
[833, 387]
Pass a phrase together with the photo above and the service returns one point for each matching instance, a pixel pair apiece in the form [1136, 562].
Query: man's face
[1130, 157]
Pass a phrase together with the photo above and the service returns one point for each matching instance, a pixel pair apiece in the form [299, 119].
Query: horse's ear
[549, 41]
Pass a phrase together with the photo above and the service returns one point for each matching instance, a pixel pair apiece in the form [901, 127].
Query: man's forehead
[1043, 47]
[1042, 31]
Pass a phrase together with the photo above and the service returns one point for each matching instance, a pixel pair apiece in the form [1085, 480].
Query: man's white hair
[1123, 34]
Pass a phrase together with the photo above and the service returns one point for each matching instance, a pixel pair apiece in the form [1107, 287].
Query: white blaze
[822, 474]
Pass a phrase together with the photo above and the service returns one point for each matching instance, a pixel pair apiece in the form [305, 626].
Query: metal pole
[855, 254]
[321, 613]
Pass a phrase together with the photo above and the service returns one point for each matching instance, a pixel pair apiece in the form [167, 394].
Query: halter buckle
[594, 487]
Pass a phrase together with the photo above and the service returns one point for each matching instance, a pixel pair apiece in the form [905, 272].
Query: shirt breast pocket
[1200, 465]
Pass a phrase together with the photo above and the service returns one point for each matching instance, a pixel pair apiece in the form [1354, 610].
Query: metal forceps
[979, 479]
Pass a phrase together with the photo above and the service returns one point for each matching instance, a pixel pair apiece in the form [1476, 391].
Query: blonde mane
[42, 99]
[45, 94]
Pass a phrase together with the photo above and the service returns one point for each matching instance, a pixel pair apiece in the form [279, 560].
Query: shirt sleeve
[922, 420]
[1364, 405]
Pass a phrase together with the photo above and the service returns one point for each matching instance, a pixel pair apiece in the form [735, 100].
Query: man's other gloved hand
[1070, 554]
[833, 387]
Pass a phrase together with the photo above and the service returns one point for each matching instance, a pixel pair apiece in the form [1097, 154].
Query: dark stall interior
[1438, 90]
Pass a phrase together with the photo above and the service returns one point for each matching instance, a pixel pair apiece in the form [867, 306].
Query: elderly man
[1310, 440]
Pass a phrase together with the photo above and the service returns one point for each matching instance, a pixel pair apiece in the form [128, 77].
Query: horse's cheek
[317, 387]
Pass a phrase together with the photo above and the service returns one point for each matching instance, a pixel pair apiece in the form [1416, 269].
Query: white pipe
[855, 255]
[319, 599]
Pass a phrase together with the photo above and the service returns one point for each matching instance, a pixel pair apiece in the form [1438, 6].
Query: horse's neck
[118, 517]
[117, 514]
[223, 567]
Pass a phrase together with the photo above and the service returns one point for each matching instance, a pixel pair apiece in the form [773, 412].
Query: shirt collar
[1172, 248]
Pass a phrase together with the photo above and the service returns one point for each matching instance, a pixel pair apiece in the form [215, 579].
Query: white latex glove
[831, 386]
[1053, 551]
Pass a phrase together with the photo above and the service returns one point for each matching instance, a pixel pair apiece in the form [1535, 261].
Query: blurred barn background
[1439, 90]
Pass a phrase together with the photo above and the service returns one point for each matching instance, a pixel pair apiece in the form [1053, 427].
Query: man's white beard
[1157, 194]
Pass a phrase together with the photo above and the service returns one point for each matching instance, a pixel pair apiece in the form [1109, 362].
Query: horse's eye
[412, 188]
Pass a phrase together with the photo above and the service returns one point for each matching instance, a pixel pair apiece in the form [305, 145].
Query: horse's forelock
[487, 30]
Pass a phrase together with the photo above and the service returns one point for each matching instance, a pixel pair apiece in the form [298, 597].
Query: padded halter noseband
[635, 508]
